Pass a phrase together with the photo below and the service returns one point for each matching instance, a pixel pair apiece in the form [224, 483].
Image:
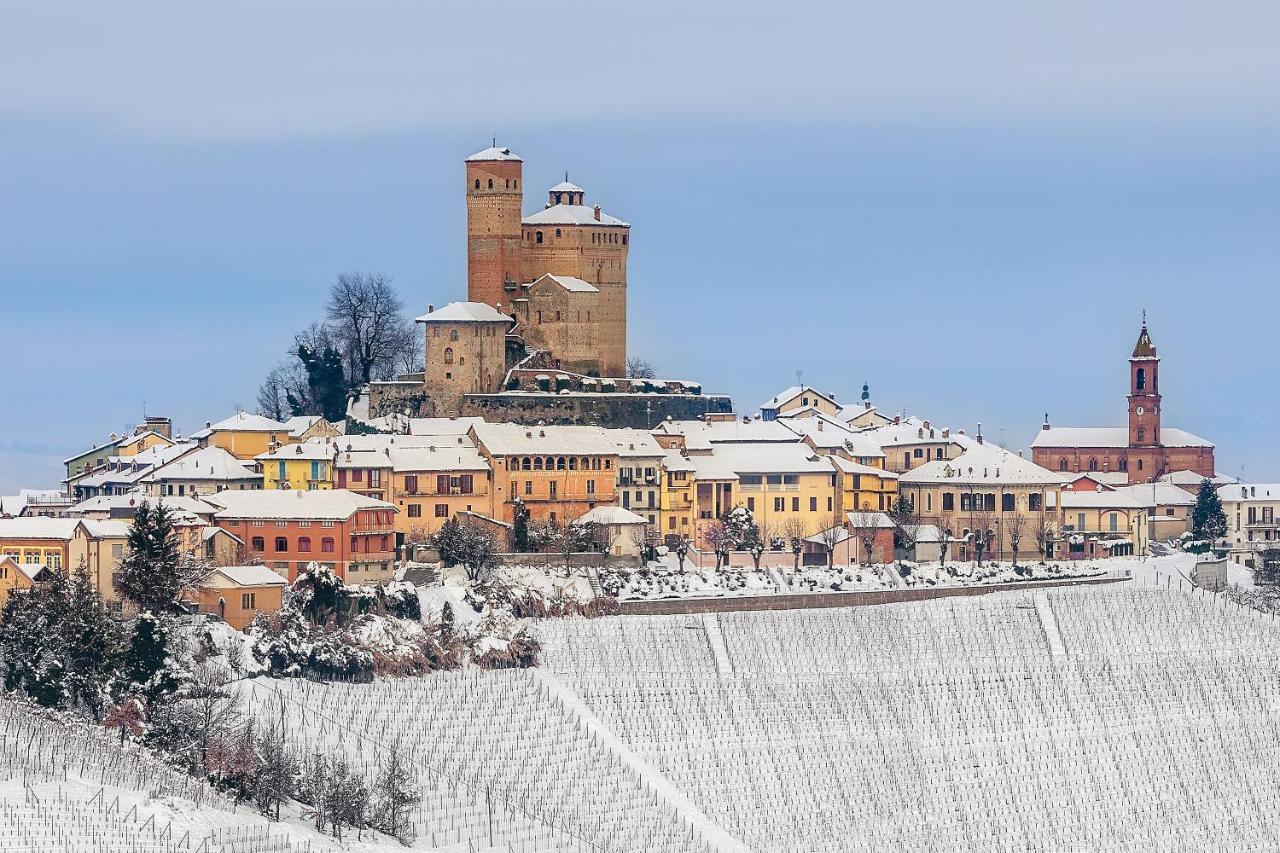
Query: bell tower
[1144, 391]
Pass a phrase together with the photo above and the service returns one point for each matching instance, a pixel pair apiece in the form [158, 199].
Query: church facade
[561, 272]
[1140, 452]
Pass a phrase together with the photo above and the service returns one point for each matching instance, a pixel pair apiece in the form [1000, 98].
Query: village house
[236, 594]
[640, 460]
[307, 465]
[243, 435]
[349, 533]
[1099, 520]
[65, 544]
[799, 399]
[911, 442]
[202, 471]
[620, 532]
[985, 491]
[1253, 520]
[433, 483]
[676, 507]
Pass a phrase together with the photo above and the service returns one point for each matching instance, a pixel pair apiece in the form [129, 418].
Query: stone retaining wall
[673, 606]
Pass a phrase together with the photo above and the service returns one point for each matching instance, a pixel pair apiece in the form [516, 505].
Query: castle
[561, 272]
[1140, 452]
[543, 333]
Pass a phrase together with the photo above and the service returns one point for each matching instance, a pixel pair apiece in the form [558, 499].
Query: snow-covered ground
[1048, 719]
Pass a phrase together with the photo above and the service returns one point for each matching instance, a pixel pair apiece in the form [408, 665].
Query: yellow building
[783, 485]
[1099, 520]
[559, 472]
[798, 399]
[243, 435]
[863, 487]
[432, 484]
[307, 466]
[135, 444]
[677, 511]
[65, 543]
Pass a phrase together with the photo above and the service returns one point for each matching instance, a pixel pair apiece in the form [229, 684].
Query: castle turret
[494, 198]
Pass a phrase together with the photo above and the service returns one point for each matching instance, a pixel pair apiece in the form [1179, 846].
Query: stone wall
[670, 607]
[638, 411]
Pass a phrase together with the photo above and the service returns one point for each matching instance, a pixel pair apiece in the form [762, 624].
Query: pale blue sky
[966, 206]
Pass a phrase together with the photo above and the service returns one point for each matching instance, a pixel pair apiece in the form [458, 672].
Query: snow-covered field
[1124, 717]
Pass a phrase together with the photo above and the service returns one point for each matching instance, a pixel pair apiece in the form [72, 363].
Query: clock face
[1141, 410]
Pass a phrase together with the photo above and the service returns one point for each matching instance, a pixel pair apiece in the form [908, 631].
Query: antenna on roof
[495, 140]
[566, 176]
[800, 377]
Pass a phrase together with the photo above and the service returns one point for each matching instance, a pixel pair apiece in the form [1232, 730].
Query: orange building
[352, 534]
[236, 594]
[558, 472]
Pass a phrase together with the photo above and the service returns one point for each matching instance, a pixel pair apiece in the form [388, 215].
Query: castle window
[1093, 464]
[557, 232]
[462, 360]
[624, 239]
[557, 316]
[477, 183]
[1142, 434]
[517, 183]
[508, 183]
[537, 236]
[491, 183]
[1139, 464]
[448, 355]
[1062, 464]
[453, 334]
[1124, 463]
[1142, 378]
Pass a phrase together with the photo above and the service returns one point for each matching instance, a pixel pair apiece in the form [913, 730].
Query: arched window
[304, 543]
[1093, 464]
[559, 463]
[517, 184]
[537, 463]
[573, 463]
[491, 183]
[1062, 464]
[557, 232]
[326, 545]
[477, 183]
[508, 183]
[1142, 434]
[1139, 464]
[1124, 463]
[537, 236]
[551, 463]
[257, 543]
[1142, 378]
[282, 544]
[448, 355]
[526, 464]
[453, 334]
[462, 359]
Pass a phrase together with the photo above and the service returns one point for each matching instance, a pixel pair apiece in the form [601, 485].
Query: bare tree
[1045, 532]
[982, 521]
[864, 527]
[720, 539]
[682, 552]
[831, 535]
[1015, 524]
[367, 320]
[794, 531]
[638, 368]
[273, 400]
[395, 793]
[758, 542]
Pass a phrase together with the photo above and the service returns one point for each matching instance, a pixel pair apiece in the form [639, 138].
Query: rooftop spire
[1144, 348]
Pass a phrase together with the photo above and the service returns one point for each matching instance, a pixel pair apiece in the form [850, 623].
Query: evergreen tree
[519, 527]
[146, 671]
[1208, 521]
[326, 384]
[93, 639]
[151, 572]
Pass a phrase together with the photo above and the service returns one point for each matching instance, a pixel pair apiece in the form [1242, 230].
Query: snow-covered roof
[115, 442]
[849, 467]
[771, 458]
[1105, 499]
[912, 430]
[712, 468]
[61, 529]
[700, 435]
[515, 439]
[636, 443]
[1111, 437]
[315, 449]
[242, 422]
[572, 214]
[1249, 492]
[567, 187]
[1191, 478]
[924, 532]
[442, 426]
[568, 282]
[672, 460]
[299, 424]
[208, 463]
[610, 515]
[465, 312]
[139, 436]
[15, 504]
[788, 394]
[863, 519]
[493, 153]
[325, 504]
[828, 432]
[234, 576]
[107, 503]
[443, 457]
[1159, 494]
[983, 464]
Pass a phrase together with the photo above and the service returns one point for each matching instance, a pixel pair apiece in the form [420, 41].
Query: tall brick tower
[571, 238]
[1144, 392]
[493, 226]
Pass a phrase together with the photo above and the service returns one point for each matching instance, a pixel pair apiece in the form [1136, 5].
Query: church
[1139, 453]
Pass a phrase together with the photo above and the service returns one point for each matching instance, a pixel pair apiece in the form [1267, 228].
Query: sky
[967, 206]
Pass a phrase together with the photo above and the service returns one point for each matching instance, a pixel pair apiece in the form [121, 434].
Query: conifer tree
[151, 572]
[519, 527]
[1208, 521]
[145, 671]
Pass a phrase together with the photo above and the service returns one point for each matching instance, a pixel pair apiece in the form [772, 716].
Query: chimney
[430, 309]
[926, 425]
[596, 213]
[897, 419]
[946, 432]
[979, 435]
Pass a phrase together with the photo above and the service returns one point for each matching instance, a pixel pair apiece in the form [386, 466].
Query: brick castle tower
[567, 238]
[1144, 392]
